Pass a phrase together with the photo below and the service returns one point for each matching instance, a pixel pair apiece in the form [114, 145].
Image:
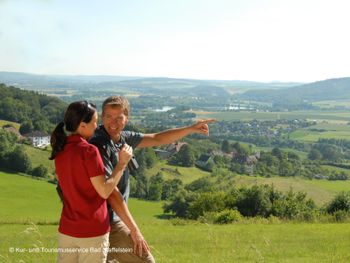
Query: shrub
[227, 216]
[340, 202]
[40, 171]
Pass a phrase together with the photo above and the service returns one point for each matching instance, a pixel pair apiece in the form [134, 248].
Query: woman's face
[90, 127]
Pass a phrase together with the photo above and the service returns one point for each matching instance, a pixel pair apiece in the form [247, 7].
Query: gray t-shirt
[108, 150]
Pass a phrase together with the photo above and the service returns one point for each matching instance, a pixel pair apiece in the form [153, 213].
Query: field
[40, 156]
[335, 116]
[24, 200]
[321, 191]
[185, 174]
[14, 124]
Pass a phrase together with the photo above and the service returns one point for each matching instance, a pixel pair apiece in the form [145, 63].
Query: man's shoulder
[131, 134]
[100, 137]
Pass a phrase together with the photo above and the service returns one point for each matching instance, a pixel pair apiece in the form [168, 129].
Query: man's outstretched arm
[172, 135]
[118, 204]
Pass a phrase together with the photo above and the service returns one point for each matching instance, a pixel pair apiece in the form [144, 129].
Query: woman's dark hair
[77, 112]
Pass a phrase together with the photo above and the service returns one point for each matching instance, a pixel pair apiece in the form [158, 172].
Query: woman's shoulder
[88, 150]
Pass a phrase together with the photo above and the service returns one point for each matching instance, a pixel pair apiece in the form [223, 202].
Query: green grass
[40, 156]
[340, 116]
[328, 104]
[23, 199]
[321, 191]
[186, 174]
[14, 124]
[322, 131]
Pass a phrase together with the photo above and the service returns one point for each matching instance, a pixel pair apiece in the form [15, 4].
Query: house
[38, 138]
[169, 151]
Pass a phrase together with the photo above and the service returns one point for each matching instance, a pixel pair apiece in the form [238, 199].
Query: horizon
[274, 41]
[165, 77]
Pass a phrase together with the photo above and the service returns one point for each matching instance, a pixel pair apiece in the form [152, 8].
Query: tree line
[32, 110]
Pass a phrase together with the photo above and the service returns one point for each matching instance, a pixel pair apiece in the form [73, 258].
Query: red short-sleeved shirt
[84, 212]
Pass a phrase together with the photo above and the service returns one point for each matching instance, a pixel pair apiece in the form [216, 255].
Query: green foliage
[170, 188]
[19, 161]
[26, 127]
[329, 152]
[31, 109]
[225, 146]
[185, 157]
[150, 157]
[341, 202]
[7, 142]
[314, 155]
[155, 187]
[206, 202]
[227, 216]
[39, 171]
[254, 201]
[180, 204]
[200, 185]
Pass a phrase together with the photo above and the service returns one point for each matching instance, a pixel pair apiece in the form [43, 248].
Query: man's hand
[140, 244]
[202, 126]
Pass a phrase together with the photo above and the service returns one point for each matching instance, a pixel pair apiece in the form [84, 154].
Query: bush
[340, 202]
[39, 171]
[206, 202]
[341, 215]
[227, 216]
[19, 161]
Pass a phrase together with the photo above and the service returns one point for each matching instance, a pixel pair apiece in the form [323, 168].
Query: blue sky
[284, 40]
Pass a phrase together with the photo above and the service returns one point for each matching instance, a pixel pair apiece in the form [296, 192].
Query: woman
[84, 224]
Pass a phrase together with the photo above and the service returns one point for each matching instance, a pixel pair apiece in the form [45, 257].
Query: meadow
[30, 209]
[14, 124]
[334, 116]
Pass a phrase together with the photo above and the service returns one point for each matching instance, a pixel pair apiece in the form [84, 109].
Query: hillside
[38, 111]
[32, 223]
[330, 89]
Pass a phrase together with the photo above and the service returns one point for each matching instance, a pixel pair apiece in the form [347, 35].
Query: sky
[256, 40]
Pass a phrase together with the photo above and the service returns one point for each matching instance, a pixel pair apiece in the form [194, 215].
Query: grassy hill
[14, 124]
[185, 174]
[40, 156]
[321, 191]
[24, 200]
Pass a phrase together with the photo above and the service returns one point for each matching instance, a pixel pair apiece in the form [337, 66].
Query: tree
[180, 204]
[26, 127]
[155, 187]
[19, 160]
[277, 153]
[150, 157]
[185, 157]
[314, 155]
[225, 146]
[170, 188]
[331, 152]
[200, 185]
[7, 140]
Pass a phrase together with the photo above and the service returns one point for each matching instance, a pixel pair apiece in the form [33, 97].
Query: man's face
[114, 121]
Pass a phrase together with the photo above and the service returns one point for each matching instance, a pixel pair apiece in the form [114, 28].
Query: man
[109, 137]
